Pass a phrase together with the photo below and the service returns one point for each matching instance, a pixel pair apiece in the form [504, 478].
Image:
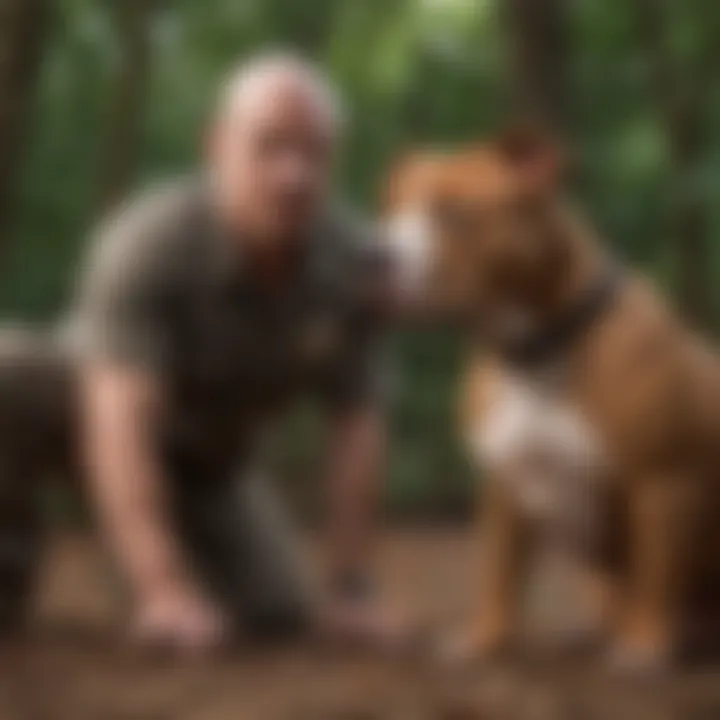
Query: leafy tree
[684, 63]
[133, 23]
[538, 54]
[22, 29]
[124, 90]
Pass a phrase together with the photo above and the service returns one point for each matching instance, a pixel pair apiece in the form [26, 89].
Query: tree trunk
[537, 35]
[22, 31]
[119, 153]
[679, 100]
[689, 224]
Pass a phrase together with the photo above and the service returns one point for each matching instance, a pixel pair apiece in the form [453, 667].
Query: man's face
[272, 160]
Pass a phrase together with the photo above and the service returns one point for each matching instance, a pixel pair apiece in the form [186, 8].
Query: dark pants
[229, 522]
[20, 547]
[233, 531]
[244, 549]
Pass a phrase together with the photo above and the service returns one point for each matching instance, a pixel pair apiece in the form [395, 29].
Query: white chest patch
[535, 438]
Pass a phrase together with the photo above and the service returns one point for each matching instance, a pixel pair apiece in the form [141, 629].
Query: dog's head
[473, 231]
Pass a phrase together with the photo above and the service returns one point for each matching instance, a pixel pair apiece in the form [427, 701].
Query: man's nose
[298, 172]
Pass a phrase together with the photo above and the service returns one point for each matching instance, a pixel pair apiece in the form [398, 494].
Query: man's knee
[245, 549]
[20, 547]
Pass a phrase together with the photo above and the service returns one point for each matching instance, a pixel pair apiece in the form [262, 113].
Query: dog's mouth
[425, 293]
[416, 295]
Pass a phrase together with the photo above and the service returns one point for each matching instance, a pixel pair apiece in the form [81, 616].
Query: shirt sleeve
[363, 374]
[119, 313]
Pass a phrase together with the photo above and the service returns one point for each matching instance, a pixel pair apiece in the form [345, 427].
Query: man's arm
[120, 409]
[355, 466]
[126, 481]
[356, 460]
[357, 391]
[119, 329]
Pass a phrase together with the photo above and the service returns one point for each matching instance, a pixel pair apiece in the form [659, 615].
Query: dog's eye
[454, 217]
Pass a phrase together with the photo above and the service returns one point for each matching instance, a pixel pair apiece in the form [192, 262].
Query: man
[205, 308]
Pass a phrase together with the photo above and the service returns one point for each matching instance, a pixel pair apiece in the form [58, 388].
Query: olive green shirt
[167, 292]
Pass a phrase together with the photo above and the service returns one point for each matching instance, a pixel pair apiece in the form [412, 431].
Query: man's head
[271, 146]
[474, 230]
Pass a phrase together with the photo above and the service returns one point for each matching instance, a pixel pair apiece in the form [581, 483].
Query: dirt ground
[74, 665]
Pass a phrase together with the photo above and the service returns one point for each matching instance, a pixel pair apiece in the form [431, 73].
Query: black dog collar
[541, 347]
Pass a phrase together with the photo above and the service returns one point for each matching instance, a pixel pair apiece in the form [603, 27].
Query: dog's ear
[534, 155]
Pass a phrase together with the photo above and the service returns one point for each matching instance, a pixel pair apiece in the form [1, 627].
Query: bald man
[208, 304]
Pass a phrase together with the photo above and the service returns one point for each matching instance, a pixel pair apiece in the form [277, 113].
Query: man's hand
[366, 622]
[176, 616]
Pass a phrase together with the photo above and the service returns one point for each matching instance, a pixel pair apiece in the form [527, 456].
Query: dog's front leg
[504, 547]
[658, 532]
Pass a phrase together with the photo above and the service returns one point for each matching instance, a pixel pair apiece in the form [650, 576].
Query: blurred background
[98, 97]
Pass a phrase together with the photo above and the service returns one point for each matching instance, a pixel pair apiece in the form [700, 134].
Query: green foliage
[413, 71]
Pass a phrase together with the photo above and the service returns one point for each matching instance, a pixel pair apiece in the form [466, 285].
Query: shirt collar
[230, 267]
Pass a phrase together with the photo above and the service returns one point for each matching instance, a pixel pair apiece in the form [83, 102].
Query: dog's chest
[537, 439]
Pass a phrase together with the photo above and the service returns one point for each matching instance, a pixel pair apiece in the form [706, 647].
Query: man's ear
[534, 155]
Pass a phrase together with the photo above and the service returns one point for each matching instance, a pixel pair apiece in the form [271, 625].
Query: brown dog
[594, 412]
